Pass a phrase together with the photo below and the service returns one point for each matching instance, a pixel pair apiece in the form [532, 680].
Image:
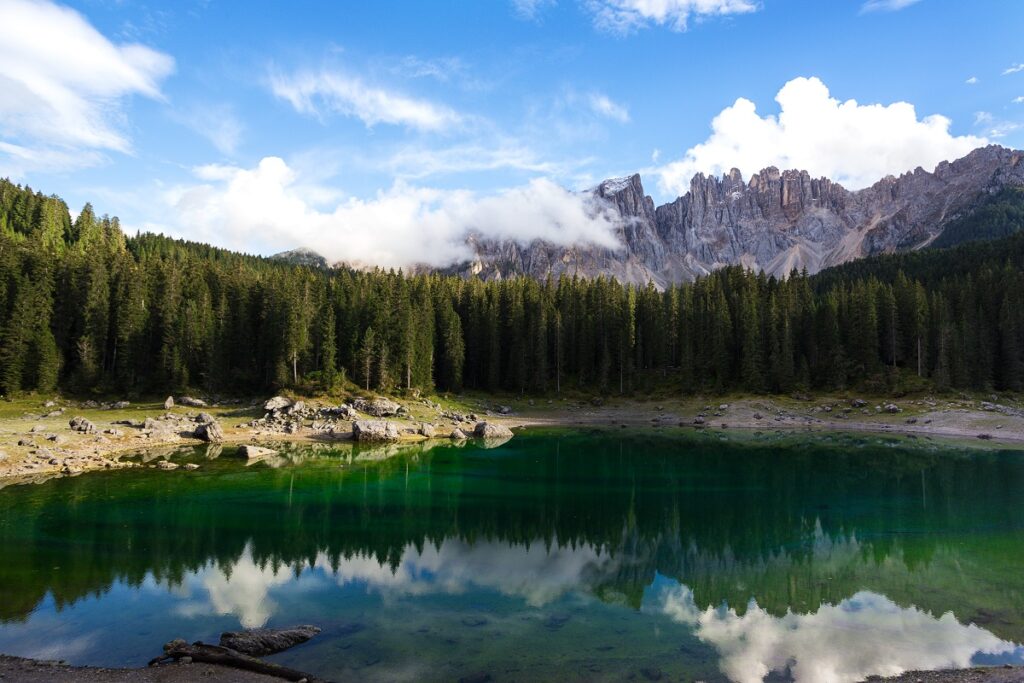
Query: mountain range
[774, 222]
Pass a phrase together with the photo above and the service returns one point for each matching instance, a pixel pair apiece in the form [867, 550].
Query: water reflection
[866, 634]
[824, 560]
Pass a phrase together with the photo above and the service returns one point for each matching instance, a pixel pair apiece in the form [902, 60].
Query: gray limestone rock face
[775, 222]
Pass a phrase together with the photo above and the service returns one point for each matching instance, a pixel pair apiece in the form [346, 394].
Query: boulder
[191, 402]
[505, 410]
[210, 432]
[259, 642]
[858, 403]
[374, 430]
[80, 424]
[378, 407]
[250, 452]
[169, 403]
[120, 405]
[490, 430]
[191, 466]
[277, 403]
[297, 407]
[205, 418]
[427, 430]
[166, 465]
[892, 408]
[458, 435]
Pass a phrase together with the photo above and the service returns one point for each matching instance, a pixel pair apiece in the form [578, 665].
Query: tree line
[87, 308]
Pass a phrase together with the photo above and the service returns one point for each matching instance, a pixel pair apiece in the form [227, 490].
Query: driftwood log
[215, 654]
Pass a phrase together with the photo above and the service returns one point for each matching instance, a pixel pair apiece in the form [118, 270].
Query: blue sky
[377, 131]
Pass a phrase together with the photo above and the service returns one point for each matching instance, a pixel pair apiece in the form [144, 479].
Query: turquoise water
[559, 555]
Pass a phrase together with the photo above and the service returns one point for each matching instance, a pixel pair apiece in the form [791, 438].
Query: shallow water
[559, 555]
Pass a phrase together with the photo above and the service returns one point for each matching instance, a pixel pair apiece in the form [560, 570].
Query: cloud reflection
[866, 634]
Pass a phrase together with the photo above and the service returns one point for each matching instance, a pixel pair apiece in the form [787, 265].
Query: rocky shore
[58, 437]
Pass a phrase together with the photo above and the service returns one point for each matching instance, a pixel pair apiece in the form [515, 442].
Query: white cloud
[217, 123]
[973, 80]
[605, 106]
[875, 636]
[625, 16]
[530, 9]
[1015, 68]
[318, 93]
[1018, 100]
[886, 5]
[854, 144]
[420, 162]
[268, 208]
[62, 83]
[995, 127]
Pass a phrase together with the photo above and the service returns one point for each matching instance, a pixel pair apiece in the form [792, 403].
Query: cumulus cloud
[886, 5]
[269, 208]
[852, 143]
[62, 85]
[605, 106]
[973, 80]
[625, 16]
[319, 93]
[877, 636]
[1014, 68]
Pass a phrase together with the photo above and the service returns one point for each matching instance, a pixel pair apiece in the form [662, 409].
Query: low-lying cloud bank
[268, 208]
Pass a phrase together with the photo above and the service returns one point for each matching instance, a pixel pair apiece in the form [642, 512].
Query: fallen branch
[223, 656]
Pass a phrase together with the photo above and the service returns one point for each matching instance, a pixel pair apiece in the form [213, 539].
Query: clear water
[559, 555]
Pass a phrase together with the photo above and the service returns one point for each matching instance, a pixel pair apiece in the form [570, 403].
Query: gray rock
[191, 402]
[374, 430]
[458, 435]
[191, 466]
[490, 430]
[80, 424]
[259, 642]
[166, 465]
[210, 432]
[120, 405]
[277, 403]
[169, 403]
[205, 418]
[378, 407]
[892, 408]
[426, 429]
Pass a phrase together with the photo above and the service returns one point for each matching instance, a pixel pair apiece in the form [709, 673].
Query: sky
[383, 132]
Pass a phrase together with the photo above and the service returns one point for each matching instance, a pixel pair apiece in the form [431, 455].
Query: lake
[558, 555]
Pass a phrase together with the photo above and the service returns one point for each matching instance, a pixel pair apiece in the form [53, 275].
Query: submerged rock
[256, 452]
[374, 430]
[258, 642]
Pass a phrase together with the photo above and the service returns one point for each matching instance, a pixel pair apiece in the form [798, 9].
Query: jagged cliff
[776, 221]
